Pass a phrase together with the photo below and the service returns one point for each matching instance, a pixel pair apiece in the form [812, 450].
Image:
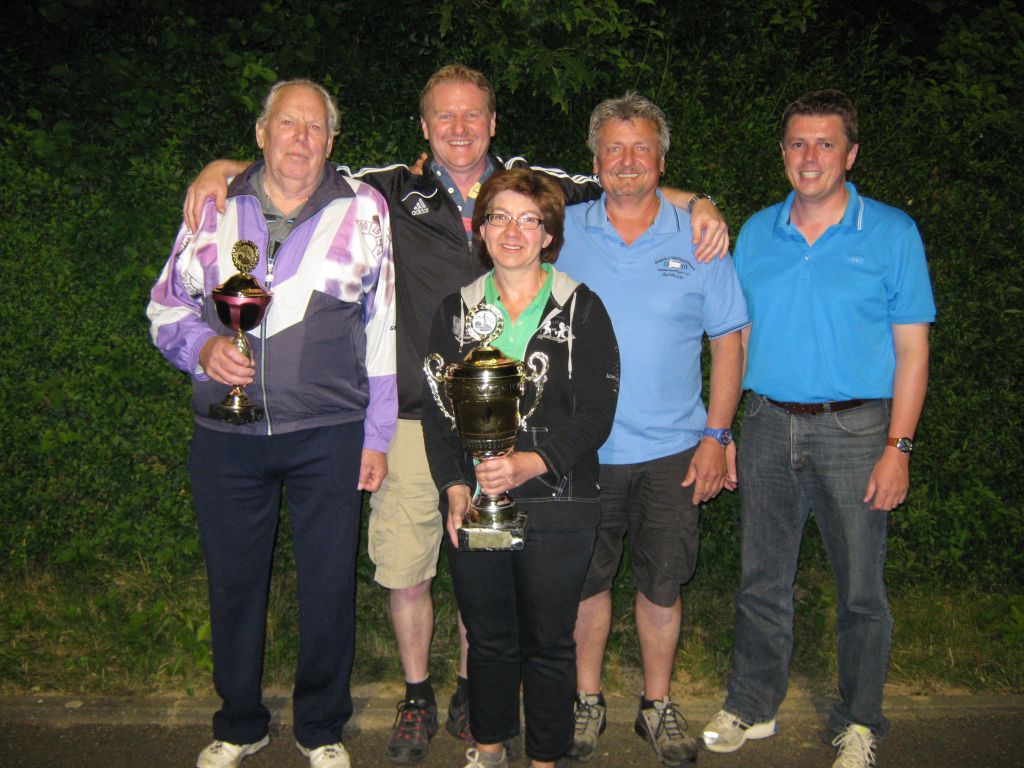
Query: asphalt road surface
[981, 732]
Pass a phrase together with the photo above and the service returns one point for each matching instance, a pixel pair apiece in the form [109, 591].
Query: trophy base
[236, 415]
[503, 536]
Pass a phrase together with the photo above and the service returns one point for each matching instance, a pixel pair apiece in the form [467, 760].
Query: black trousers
[520, 611]
[236, 490]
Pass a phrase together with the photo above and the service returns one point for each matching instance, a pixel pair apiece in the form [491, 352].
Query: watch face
[723, 436]
[904, 445]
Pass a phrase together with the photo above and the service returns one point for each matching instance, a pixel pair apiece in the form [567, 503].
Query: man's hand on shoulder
[710, 230]
[421, 162]
[212, 181]
[708, 225]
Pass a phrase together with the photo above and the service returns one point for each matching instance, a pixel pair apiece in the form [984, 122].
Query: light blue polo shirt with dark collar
[822, 314]
[661, 302]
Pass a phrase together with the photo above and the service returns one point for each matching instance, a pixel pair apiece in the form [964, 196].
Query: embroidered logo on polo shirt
[670, 266]
[420, 208]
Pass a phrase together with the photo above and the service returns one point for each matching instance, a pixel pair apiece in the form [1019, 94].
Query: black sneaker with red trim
[415, 726]
[457, 723]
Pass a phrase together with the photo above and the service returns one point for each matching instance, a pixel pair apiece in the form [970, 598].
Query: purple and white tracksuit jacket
[325, 351]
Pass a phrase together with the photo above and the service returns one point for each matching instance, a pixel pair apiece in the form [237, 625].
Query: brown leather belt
[814, 409]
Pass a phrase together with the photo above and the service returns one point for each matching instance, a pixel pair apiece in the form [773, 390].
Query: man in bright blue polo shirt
[837, 367]
[665, 454]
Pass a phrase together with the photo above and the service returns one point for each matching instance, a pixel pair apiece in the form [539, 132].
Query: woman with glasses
[519, 606]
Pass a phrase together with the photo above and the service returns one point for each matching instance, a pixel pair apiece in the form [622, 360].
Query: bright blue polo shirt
[661, 302]
[823, 314]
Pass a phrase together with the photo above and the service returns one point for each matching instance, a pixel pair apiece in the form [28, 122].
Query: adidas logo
[420, 208]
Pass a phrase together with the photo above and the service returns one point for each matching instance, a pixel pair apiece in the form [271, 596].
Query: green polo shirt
[514, 338]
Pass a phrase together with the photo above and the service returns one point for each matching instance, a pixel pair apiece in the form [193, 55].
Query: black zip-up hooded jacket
[573, 417]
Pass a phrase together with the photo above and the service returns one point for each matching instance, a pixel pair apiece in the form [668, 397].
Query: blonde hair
[458, 73]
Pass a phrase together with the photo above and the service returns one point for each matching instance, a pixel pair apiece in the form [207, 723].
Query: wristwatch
[901, 444]
[697, 198]
[723, 436]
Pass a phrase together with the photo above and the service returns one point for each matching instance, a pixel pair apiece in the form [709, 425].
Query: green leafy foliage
[111, 107]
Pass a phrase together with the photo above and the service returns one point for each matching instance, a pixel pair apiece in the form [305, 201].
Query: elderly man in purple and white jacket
[323, 371]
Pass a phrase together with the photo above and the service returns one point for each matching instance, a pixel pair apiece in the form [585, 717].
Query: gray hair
[330, 104]
[631, 106]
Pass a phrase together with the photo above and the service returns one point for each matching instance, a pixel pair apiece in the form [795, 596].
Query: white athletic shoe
[223, 754]
[327, 756]
[856, 747]
[726, 732]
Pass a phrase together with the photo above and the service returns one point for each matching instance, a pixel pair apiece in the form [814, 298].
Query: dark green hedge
[110, 107]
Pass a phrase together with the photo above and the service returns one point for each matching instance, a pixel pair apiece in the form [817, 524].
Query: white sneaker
[726, 732]
[223, 754]
[856, 747]
[327, 756]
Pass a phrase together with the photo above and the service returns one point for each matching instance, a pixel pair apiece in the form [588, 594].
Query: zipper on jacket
[271, 258]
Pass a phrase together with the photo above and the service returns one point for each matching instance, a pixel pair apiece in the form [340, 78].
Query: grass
[140, 629]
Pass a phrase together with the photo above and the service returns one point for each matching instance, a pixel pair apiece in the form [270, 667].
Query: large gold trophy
[241, 303]
[484, 391]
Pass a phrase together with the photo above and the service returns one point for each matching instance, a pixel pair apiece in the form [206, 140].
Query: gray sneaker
[726, 732]
[475, 759]
[665, 730]
[591, 720]
[856, 747]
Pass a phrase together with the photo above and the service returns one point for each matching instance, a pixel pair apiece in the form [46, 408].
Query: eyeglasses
[525, 222]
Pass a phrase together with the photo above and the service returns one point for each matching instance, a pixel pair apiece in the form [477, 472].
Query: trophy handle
[538, 363]
[432, 365]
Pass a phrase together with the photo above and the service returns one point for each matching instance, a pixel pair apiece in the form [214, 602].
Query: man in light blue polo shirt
[665, 454]
[837, 367]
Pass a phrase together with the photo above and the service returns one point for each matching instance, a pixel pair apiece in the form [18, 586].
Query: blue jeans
[789, 465]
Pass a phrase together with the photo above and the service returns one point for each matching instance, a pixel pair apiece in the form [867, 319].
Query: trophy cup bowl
[484, 391]
[241, 303]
